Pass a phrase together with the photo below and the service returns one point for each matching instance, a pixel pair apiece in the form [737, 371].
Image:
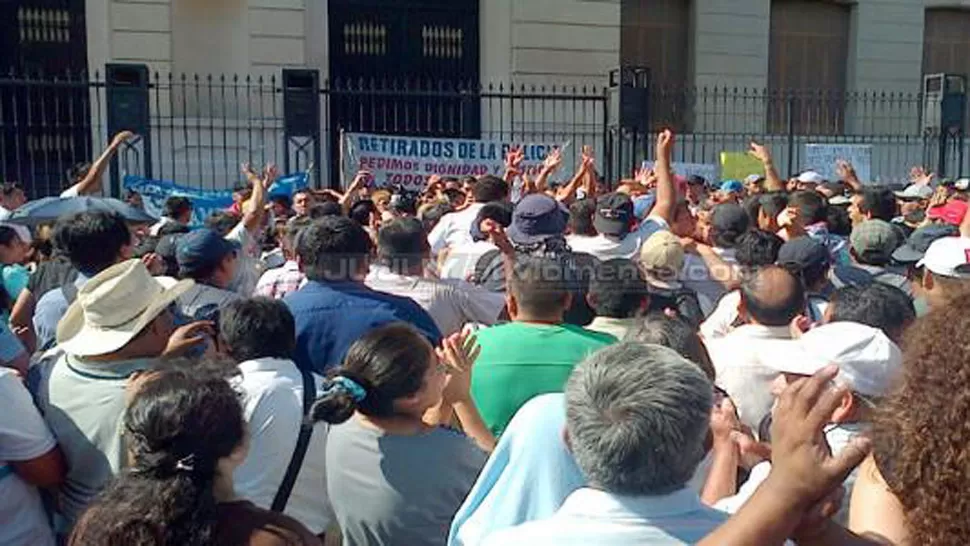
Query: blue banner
[204, 202]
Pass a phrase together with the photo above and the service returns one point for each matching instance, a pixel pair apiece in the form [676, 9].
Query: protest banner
[822, 158]
[708, 171]
[204, 202]
[739, 165]
[407, 162]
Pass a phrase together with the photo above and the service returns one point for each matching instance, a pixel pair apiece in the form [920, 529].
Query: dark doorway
[45, 124]
[407, 67]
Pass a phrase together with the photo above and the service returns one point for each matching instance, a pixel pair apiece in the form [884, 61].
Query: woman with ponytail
[185, 435]
[394, 475]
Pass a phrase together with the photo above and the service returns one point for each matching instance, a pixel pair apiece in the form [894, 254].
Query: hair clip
[352, 387]
[186, 464]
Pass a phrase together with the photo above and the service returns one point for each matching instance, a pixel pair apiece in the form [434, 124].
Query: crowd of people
[490, 361]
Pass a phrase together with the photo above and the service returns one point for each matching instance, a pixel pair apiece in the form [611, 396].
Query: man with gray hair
[637, 417]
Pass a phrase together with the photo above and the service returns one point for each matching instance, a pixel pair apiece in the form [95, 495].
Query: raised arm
[458, 352]
[847, 173]
[568, 192]
[360, 180]
[549, 166]
[92, 181]
[255, 208]
[513, 165]
[772, 181]
[666, 192]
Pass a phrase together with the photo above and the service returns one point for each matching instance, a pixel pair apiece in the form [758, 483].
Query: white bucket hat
[114, 306]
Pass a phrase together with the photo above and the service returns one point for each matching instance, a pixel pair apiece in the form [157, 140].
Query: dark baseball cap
[536, 218]
[498, 211]
[614, 214]
[730, 217]
[201, 249]
[915, 246]
[804, 253]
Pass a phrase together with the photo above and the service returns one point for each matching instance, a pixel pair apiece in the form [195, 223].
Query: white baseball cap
[868, 361]
[811, 177]
[949, 257]
[915, 191]
[962, 184]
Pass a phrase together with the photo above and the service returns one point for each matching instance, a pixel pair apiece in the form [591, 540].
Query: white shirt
[454, 229]
[461, 260]
[273, 408]
[451, 305]
[721, 322]
[697, 277]
[157, 226]
[5, 214]
[742, 360]
[608, 248]
[248, 267]
[589, 516]
[23, 436]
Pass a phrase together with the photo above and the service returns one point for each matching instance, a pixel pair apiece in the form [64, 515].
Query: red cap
[952, 212]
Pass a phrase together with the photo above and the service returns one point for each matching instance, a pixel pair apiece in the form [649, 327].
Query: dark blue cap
[201, 249]
[920, 240]
[536, 218]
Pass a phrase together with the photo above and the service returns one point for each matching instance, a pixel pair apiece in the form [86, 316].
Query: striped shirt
[279, 282]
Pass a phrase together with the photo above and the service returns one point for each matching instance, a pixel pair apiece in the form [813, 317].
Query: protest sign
[407, 162]
[822, 158]
[739, 165]
[204, 202]
[708, 171]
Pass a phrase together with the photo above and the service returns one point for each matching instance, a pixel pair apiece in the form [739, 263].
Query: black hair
[177, 206]
[145, 247]
[658, 328]
[772, 309]
[811, 206]
[92, 240]
[757, 247]
[178, 426]
[490, 188]
[728, 238]
[404, 203]
[877, 305]
[773, 203]
[258, 328]
[838, 221]
[362, 210]
[327, 208]
[751, 206]
[7, 189]
[581, 217]
[879, 201]
[539, 285]
[618, 289]
[221, 222]
[77, 172]
[388, 362]
[291, 233]
[433, 214]
[402, 244]
[333, 248]
[454, 196]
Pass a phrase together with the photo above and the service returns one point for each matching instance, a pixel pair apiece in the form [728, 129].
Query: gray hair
[637, 417]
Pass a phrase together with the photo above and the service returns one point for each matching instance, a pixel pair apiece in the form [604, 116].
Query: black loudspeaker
[126, 91]
[629, 94]
[301, 102]
[944, 102]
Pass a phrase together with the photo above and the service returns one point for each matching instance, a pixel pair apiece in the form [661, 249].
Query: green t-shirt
[522, 360]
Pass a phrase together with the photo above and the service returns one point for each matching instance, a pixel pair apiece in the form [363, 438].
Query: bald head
[771, 296]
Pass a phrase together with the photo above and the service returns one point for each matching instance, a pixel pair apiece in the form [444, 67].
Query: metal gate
[44, 128]
[405, 67]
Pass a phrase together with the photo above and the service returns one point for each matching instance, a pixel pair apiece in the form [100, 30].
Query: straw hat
[114, 306]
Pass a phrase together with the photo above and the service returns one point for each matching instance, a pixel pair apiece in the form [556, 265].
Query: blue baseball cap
[201, 249]
[536, 218]
[732, 186]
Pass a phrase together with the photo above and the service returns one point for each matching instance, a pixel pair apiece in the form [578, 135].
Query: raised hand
[247, 170]
[919, 176]
[270, 173]
[121, 138]
[360, 180]
[552, 161]
[665, 145]
[760, 152]
[802, 462]
[844, 170]
[189, 337]
[458, 353]
[514, 159]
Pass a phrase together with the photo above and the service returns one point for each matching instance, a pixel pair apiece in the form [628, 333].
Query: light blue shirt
[596, 517]
[51, 307]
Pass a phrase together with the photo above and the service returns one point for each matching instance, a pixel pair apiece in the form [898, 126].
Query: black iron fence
[202, 127]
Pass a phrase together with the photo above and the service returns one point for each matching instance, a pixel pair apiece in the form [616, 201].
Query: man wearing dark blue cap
[211, 261]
